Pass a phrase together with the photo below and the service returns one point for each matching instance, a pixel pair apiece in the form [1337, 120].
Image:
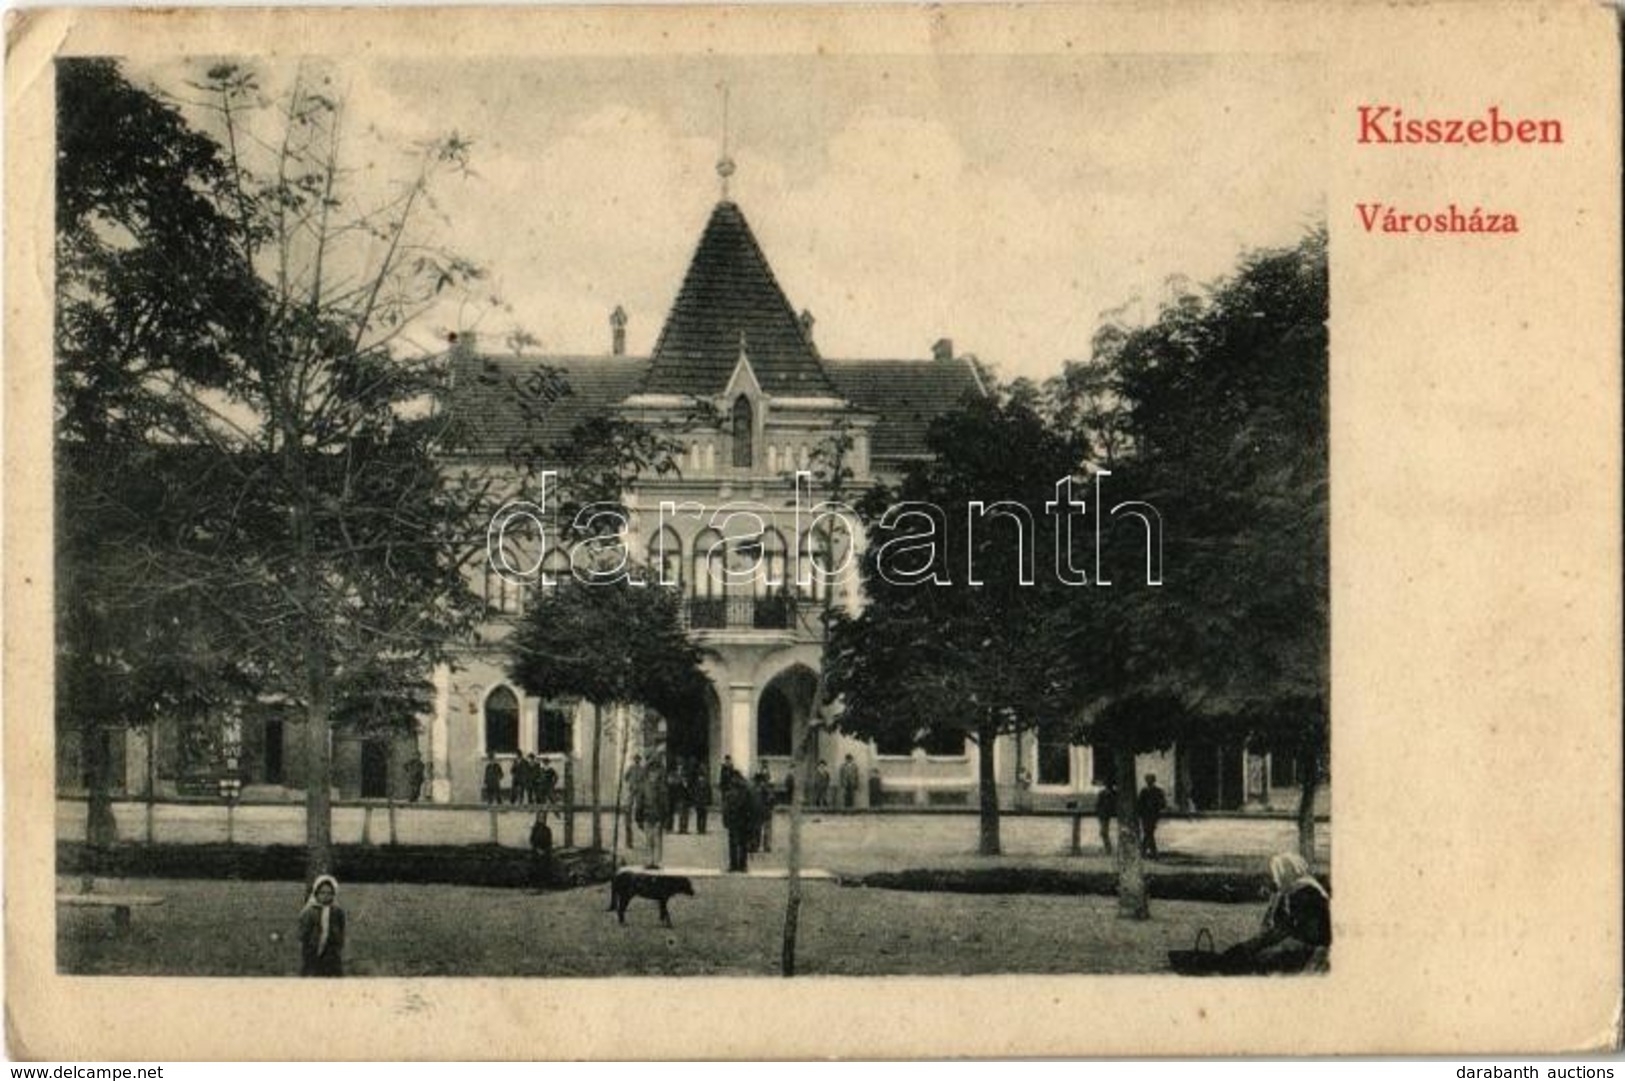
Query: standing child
[321, 930]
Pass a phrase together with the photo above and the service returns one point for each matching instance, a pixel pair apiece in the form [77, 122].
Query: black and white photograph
[485, 488]
[815, 512]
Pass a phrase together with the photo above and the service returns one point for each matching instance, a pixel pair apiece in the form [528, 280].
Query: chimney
[943, 349]
[617, 329]
[806, 320]
[462, 354]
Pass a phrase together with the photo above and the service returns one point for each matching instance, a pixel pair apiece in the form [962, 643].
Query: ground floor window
[553, 731]
[1054, 760]
[502, 722]
[1283, 770]
[1100, 765]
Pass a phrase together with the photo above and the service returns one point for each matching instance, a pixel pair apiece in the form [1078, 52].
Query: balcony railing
[749, 613]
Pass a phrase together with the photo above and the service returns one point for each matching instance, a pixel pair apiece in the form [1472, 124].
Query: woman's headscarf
[326, 911]
[1290, 872]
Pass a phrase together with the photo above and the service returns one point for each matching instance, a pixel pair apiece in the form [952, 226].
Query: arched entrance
[692, 731]
[783, 711]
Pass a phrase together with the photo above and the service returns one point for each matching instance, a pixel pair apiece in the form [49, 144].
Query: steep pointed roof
[730, 291]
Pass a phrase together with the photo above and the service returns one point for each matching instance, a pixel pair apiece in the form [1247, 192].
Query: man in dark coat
[736, 819]
[821, 785]
[1148, 807]
[518, 780]
[761, 807]
[541, 851]
[1105, 811]
[533, 778]
[699, 793]
[548, 783]
[415, 773]
[676, 800]
[632, 792]
[849, 783]
[491, 785]
[652, 814]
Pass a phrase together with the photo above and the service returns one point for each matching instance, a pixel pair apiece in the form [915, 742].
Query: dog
[628, 884]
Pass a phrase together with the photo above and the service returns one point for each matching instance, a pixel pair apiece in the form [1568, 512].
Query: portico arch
[783, 710]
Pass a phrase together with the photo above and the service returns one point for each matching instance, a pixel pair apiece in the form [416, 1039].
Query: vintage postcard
[911, 526]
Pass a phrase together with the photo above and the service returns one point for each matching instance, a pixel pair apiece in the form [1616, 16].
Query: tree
[832, 473]
[607, 640]
[148, 283]
[1220, 410]
[332, 548]
[963, 655]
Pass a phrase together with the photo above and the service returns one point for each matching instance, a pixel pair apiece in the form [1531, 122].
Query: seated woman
[1297, 923]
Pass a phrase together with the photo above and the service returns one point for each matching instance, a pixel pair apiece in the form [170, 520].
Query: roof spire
[725, 164]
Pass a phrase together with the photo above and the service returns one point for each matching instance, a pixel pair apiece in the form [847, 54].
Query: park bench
[121, 904]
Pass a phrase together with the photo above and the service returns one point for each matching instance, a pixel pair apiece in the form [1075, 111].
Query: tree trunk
[1133, 901]
[101, 830]
[318, 779]
[152, 778]
[570, 799]
[1309, 778]
[792, 902]
[620, 795]
[593, 782]
[987, 789]
[389, 786]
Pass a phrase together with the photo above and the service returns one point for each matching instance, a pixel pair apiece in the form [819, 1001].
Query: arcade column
[740, 738]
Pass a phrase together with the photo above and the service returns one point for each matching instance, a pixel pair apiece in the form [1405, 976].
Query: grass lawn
[732, 927]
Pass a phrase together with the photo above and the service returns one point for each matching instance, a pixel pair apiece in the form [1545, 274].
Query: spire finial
[725, 164]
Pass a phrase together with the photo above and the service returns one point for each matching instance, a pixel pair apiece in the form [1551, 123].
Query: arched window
[773, 718]
[710, 558]
[502, 722]
[770, 568]
[501, 597]
[744, 427]
[820, 560]
[666, 558]
[707, 586]
[774, 609]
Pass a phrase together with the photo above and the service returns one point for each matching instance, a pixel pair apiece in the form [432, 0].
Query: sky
[1003, 202]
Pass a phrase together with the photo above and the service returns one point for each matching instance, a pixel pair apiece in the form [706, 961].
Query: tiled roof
[907, 394]
[730, 291]
[505, 402]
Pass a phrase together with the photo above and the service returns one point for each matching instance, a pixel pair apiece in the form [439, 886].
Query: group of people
[1149, 806]
[654, 796]
[530, 780]
[822, 784]
[747, 811]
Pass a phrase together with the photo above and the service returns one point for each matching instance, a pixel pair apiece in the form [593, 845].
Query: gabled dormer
[744, 406]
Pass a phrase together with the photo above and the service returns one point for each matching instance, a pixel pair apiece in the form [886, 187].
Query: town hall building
[734, 350]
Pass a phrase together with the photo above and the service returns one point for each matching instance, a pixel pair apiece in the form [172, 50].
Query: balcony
[750, 614]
